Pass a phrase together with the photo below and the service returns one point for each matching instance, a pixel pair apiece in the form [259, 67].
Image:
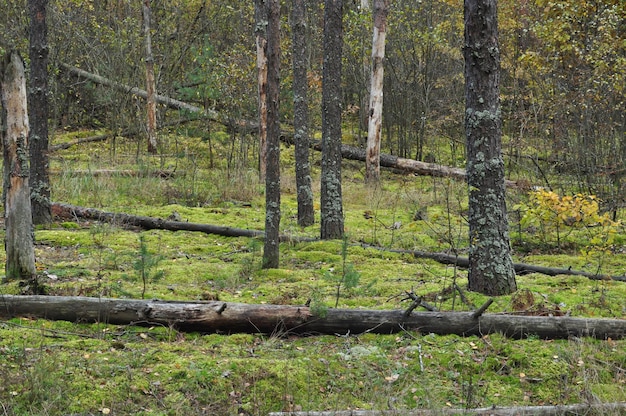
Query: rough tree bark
[331, 203]
[272, 170]
[38, 113]
[229, 317]
[151, 121]
[260, 31]
[304, 193]
[19, 241]
[490, 265]
[375, 114]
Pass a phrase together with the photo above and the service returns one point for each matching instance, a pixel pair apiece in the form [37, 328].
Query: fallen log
[229, 317]
[161, 173]
[90, 139]
[520, 268]
[147, 223]
[72, 212]
[347, 152]
[410, 165]
[160, 99]
[556, 410]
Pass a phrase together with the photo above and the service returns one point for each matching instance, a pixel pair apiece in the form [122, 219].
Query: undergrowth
[59, 368]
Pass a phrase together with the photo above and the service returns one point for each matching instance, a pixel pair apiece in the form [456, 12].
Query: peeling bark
[260, 30]
[19, 242]
[375, 114]
[272, 171]
[151, 121]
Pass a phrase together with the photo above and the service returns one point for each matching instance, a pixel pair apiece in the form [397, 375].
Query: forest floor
[59, 368]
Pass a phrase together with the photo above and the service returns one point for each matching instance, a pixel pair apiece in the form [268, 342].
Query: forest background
[562, 90]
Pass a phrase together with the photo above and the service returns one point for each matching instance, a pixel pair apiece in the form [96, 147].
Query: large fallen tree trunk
[161, 99]
[150, 223]
[347, 152]
[408, 165]
[228, 317]
[557, 410]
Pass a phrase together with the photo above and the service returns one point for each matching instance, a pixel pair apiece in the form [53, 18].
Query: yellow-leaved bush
[570, 218]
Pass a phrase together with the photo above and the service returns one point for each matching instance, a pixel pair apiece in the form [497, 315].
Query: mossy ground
[54, 368]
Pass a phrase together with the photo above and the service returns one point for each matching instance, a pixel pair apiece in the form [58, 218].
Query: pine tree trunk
[151, 122]
[375, 114]
[19, 243]
[260, 17]
[306, 212]
[331, 204]
[272, 171]
[491, 269]
[38, 113]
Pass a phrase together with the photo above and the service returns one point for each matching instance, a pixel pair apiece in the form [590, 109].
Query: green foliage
[348, 277]
[146, 265]
[569, 219]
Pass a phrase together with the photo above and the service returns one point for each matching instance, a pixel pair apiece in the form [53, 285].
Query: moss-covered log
[228, 317]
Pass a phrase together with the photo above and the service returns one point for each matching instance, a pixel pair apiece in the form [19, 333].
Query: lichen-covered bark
[372, 161]
[272, 171]
[490, 265]
[331, 199]
[260, 30]
[19, 241]
[38, 113]
[306, 213]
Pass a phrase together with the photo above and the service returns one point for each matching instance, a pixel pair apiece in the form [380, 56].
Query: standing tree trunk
[38, 98]
[260, 18]
[19, 243]
[151, 122]
[491, 269]
[375, 114]
[272, 171]
[331, 200]
[306, 213]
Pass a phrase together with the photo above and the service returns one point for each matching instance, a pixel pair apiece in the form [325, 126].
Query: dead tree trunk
[19, 244]
[372, 161]
[227, 317]
[151, 122]
[260, 30]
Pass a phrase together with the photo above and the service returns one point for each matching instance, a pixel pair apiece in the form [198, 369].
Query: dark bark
[260, 31]
[491, 269]
[38, 113]
[331, 203]
[304, 193]
[272, 170]
[18, 221]
[228, 317]
[520, 268]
